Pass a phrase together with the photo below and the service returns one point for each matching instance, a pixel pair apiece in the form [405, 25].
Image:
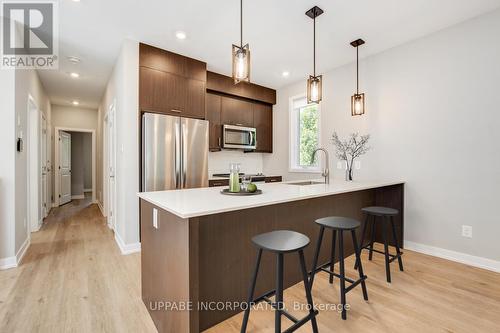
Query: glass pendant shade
[358, 104]
[314, 84]
[241, 63]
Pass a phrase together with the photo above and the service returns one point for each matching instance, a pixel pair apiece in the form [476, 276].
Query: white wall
[218, 162]
[27, 83]
[68, 116]
[123, 87]
[7, 167]
[87, 161]
[433, 113]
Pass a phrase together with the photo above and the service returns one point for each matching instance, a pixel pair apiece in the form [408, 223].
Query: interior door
[64, 167]
[43, 153]
[111, 168]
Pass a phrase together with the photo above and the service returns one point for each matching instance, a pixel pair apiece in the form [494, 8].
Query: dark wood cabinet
[170, 83]
[235, 111]
[263, 122]
[274, 179]
[218, 182]
[213, 115]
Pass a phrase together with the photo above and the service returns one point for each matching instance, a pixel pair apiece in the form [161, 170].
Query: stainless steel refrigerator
[174, 152]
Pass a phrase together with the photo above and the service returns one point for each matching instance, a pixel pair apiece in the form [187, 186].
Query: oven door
[238, 137]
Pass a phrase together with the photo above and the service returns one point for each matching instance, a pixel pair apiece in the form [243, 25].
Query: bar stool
[340, 224]
[281, 242]
[386, 215]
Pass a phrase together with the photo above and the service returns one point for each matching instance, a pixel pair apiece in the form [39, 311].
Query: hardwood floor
[74, 279]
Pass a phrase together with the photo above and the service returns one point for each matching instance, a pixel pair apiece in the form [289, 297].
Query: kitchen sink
[310, 182]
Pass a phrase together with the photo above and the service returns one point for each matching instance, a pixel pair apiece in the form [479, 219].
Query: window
[304, 135]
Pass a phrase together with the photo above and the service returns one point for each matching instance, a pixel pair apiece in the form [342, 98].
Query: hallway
[73, 279]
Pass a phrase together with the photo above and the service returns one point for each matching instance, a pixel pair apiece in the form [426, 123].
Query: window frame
[293, 140]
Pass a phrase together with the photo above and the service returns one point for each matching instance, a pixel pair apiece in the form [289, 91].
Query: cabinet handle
[239, 124]
[175, 110]
[219, 142]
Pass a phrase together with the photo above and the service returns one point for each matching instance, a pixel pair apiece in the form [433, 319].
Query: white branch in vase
[350, 149]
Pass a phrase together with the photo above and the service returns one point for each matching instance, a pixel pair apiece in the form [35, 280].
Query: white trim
[22, 250]
[78, 196]
[14, 261]
[127, 248]
[85, 190]
[464, 258]
[291, 138]
[56, 157]
[32, 165]
[100, 207]
[9, 262]
[54, 205]
[38, 226]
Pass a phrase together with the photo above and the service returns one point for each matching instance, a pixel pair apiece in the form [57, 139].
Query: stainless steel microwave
[239, 137]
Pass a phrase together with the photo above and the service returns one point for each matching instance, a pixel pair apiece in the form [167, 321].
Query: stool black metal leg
[332, 255]
[342, 274]
[386, 250]
[372, 239]
[316, 255]
[307, 286]
[357, 252]
[363, 234]
[251, 292]
[279, 293]
[396, 244]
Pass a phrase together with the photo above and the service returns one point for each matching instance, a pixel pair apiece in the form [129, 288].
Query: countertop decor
[350, 149]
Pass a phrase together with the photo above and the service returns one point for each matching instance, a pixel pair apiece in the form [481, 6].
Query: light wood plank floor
[74, 279]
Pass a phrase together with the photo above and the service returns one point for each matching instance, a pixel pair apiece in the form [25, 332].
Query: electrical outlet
[357, 165]
[467, 231]
[155, 218]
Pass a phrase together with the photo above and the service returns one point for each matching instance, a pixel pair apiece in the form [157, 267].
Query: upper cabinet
[237, 112]
[170, 83]
[214, 118]
[263, 122]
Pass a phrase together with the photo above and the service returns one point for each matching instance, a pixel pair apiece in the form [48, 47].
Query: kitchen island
[197, 256]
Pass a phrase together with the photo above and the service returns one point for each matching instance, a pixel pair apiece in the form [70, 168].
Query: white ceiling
[279, 34]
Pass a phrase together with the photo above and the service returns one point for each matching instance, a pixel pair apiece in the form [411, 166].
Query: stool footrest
[297, 322]
[367, 247]
[353, 283]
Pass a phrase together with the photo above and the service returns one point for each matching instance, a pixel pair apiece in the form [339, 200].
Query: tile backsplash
[218, 162]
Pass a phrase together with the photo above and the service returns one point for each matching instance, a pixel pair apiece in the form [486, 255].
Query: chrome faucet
[326, 170]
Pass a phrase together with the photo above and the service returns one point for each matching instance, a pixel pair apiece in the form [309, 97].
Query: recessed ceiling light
[285, 74]
[180, 35]
[74, 60]
[74, 75]
[75, 103]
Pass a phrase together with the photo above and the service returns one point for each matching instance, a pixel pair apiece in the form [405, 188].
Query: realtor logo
[29, 34]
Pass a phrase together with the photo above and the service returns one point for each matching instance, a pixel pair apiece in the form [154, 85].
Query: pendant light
[241, 56]
[314, 82]
[357, 100]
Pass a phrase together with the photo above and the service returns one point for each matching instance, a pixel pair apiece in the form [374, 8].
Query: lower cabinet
[218, 182]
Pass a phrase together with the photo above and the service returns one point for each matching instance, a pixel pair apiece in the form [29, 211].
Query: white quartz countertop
[208, 200]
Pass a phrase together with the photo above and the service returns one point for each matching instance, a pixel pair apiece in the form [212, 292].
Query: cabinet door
[213, 116]
[162, 92]
[263, 122]
[236, 112]
[195, 104]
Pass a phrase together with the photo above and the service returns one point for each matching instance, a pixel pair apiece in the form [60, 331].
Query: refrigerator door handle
[177, 156]
[184, 154]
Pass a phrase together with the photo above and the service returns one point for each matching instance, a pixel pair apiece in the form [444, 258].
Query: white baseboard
[85, 190]
[101, 208]
[78, 196]
[127, 248]
[480, 262]
[22, 251]
[38, 226]
[14, 261]
[54, 205]
[9, 262]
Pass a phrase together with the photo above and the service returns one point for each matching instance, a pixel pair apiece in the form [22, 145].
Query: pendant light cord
[241, 23]
[314, 45]
[357, 70]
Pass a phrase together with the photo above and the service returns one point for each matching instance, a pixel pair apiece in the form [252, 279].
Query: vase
[348, 175]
